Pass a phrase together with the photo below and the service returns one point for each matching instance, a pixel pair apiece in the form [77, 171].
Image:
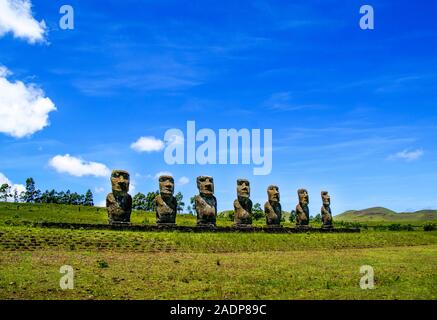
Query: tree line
[34, 195]
[146, 202]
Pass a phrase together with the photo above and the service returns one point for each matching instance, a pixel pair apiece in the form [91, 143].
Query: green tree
[31, 195]
[192, 207]
[65, 197]
[292, 216]
[5, 192]
[76, 199]
[89, 199]
[49, 197]
[257, 212]
[150, 201]
[317, 218]
[139, 201]
[44, 198]
[181, 204]
[16, 196]
[61, 197]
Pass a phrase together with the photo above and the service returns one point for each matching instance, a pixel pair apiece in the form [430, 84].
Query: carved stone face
[205, 185]
[166, 185]
[303, 196]
[120, 181]
[326, 199]
[243, 188]
[273, 193]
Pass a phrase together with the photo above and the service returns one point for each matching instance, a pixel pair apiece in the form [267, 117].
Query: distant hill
[384, 214]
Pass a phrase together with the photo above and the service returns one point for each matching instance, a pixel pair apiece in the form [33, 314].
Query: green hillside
[380, 214]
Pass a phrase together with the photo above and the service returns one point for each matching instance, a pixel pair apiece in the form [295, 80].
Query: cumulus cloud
[24, 109]
[14, 187]
[407, 155]
[4, 179]
[183, 181]
[16, 17]
[148, 144]
[78, 167]
[163, 173]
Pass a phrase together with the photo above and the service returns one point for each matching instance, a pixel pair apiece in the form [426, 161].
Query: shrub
[430, 227]
[409, 227]
[102, 264]
[395, 227]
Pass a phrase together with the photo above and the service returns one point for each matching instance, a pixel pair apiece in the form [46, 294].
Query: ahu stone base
[207, 228]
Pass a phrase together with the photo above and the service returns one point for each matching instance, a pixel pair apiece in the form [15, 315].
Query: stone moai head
[326, 199]
[120, 181]
[303, 196]
[166, 185]
[243, 188]
[273, 193]
[205, 184]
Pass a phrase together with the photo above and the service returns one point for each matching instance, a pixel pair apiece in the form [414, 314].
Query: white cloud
[24, 109]
[4, 179]
[78, 167]
[407, 155]
[16, 17]
[14, 187]
[183, 181]
[163, 173]
[148, 144]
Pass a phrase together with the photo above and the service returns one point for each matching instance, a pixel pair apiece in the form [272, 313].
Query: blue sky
[352, 111]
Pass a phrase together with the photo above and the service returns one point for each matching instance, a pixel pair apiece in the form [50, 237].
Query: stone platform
[169, 227]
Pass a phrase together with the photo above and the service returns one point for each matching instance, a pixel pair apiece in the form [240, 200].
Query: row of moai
[119, 203]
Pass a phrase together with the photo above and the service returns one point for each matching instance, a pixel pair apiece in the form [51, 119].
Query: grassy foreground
[172, 265]
[400, 273]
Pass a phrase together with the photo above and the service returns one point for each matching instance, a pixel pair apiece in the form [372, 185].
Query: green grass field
[174, 265]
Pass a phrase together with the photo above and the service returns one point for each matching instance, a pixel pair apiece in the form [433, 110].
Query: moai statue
[302, 211]
[272, 208]
[326, 211]
[206, 203]
[243, 204]
[119, 202]
[165, 203]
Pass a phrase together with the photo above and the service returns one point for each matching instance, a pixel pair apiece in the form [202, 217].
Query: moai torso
[119, 202]
[166, 209]
[326, 210]
[243, 204]
[272, 207]
[302, 210]
[165, 203]
[119, 207]
[206, 208]
[206, 203]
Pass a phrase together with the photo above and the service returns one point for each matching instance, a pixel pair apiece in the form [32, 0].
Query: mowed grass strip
[400, 273]
[27, 238]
